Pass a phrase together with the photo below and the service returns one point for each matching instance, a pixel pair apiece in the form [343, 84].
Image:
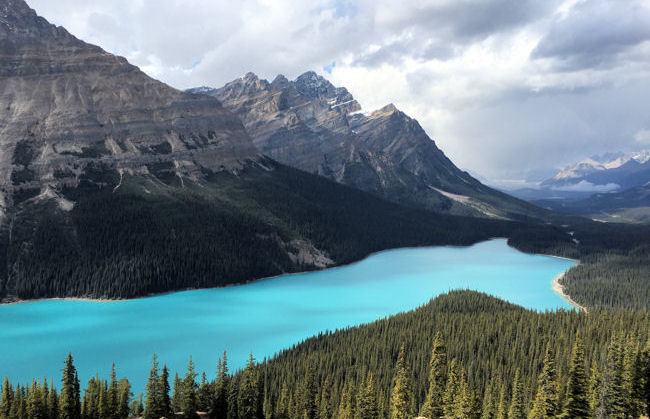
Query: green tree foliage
[545, 404]
[433, 403]
[401, 399]
[69, 401]
[249, 397]
[576, 404]
[189, 399]
[367, 407]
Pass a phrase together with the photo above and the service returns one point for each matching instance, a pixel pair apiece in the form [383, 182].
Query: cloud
[584, 186]
[596, 34]
[642, 136]
[505, 87]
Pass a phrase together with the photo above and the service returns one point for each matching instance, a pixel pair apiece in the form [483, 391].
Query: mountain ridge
[310, 124]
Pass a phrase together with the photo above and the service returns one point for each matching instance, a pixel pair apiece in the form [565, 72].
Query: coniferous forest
[463, 355]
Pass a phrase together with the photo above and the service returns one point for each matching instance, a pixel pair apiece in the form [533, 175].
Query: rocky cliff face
[66, 106]
[310, 124]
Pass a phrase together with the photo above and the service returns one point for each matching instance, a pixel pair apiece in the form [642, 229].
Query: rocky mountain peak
[68, 105]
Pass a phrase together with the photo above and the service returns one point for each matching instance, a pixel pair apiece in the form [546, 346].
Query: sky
[509, 89]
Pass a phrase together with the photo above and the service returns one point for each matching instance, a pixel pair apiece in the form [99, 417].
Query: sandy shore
[559, 290]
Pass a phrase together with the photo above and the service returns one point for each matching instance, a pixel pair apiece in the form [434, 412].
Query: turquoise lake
[262, 317]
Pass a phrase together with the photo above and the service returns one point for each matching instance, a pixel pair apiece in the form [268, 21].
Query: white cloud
[642, 136]
[584, 186]
[489, 80]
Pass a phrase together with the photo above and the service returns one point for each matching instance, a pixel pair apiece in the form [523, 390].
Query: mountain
[115, 185]
[608, 172]
[314, 126]
[629, 205]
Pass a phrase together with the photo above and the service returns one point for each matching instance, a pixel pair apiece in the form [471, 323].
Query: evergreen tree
[644, 382]
[220, 399]
[163, 402]
[123, 398]
[189, 402]
[307, 396]
[177, 397]
[451, 389]
[205, 394]
[6, 399]
[502, 408]
[52, 403]
[614, 400]
[367, 399]
[346, 404]
[433, 403]
[401, 406]
[18, 408]
[249, 391]
[69, 400]
[490, 401]
[112, 400]
[576, 404]
[463, 401]
[136, 409]
[326, 407]
[282, 406]
[35, 406]
[151, 407]
[517, 405]
[595, 389]
[233, 398]
[544, 405]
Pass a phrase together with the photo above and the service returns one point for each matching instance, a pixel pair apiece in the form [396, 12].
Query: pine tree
[451, 389]
[489, 405]
[326, 408]
[595, 388]
[576, 404]
[35, 407]
[249, 391]
[69, 401]
[163, 402]
[613, 392]
[433, 404]
[123, 398]
[136, 409]
[502, 408]
[189, 400]
[367, 399]
[151, 408]
[401, 400]
[346, 403]
[463, 403]
[112, 399]
[307, 395]
[6, 399]
[177, 396]
[205, 394]
[517, 404]
[282, 406]
[544, 405]
[644, 371]
[233, 397]
[52, 402]
[220, 399]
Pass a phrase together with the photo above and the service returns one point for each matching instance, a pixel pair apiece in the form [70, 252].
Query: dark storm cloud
[596, 34]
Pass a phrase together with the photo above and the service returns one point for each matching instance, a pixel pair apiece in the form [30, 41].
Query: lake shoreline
[555, 285]
[559, 290]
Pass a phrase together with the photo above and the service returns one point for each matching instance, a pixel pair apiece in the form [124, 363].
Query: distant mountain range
[612, 187]
[310, 124]
[113, 184]
[613, 171]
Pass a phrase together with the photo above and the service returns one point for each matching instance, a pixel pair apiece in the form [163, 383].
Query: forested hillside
[615, 261]
[130, 236]
[464, 355]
